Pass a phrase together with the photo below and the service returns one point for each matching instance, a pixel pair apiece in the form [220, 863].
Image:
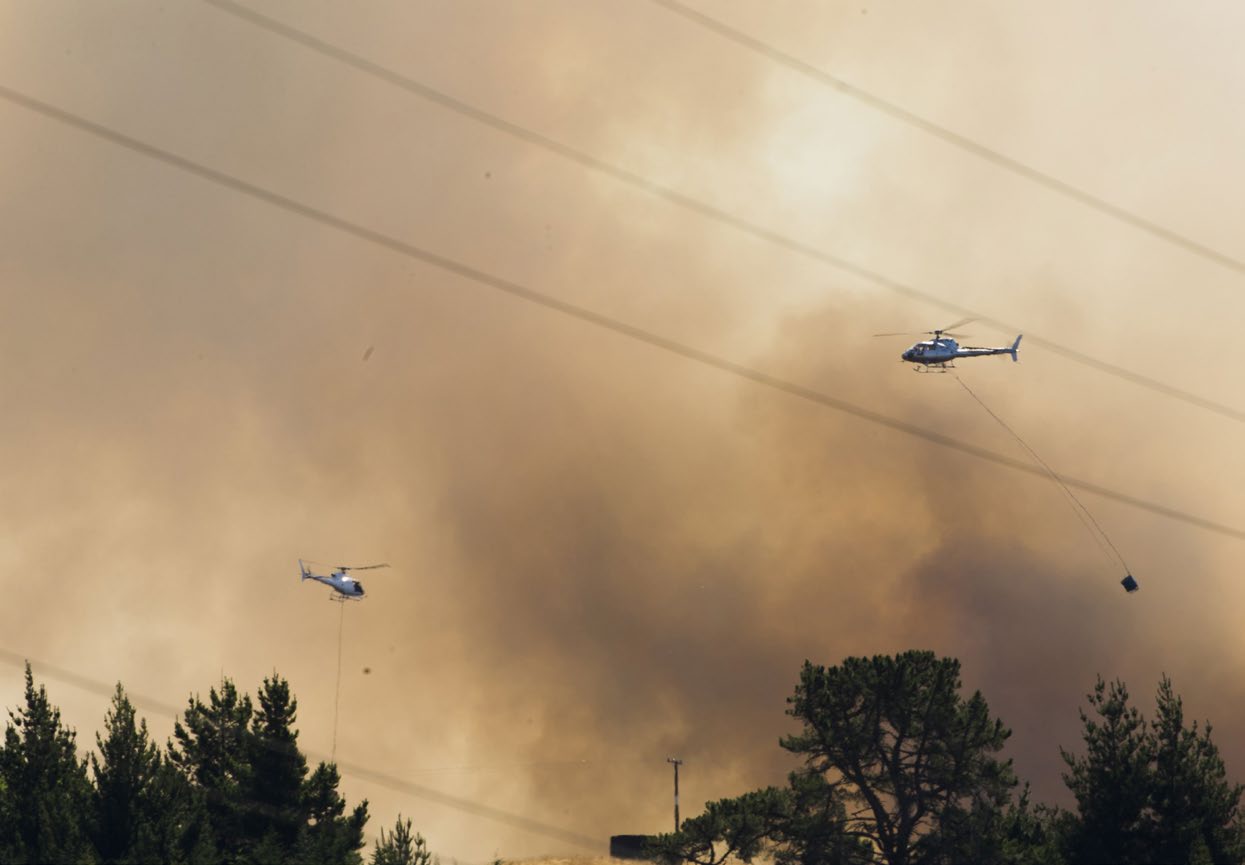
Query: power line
[696, 206]
[560, 765]
[994, 157]
[382, 779]
[579, 313]
[468, 806]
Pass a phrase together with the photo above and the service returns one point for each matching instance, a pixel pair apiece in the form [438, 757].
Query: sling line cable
[1082, 512]
[708, 211]
[337, 691]
[579, 313]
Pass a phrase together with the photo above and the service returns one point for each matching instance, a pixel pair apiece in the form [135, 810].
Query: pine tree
[1034, 835]
[400, 847]
[124, 774]
[212, 750]
[144, 809]
[180, 830]
[816, 832]
[739, 828]
[8, 825]
[267, 851]
[330, 837]
[1112, 781]
[899, 768]
[1194, 810]
[898, 742]
[46, 791]
[273, 792]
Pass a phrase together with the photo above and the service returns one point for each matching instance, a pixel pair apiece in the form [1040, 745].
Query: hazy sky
[605, 554]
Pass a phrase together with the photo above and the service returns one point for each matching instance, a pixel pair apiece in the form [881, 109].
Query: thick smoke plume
[604, 555]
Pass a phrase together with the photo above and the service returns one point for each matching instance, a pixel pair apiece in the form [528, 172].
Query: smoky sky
[605, 555]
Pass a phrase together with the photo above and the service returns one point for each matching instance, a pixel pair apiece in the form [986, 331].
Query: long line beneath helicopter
[1095, 530]
[337, 689]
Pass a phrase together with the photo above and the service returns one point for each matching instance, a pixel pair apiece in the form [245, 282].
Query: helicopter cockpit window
[358, 587]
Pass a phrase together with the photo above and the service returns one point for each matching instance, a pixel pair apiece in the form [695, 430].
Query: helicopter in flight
[345, 588]
[941, 351]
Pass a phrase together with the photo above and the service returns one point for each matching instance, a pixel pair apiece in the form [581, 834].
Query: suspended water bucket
[1129, 584]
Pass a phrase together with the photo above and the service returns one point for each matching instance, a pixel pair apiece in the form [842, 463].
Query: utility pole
[676, 763]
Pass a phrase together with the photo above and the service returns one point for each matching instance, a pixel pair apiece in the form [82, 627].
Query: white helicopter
[942, 350]
[346, 588]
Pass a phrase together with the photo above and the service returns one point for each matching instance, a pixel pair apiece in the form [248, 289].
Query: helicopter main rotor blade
[944, 331]
[361, 567]
[959, 323]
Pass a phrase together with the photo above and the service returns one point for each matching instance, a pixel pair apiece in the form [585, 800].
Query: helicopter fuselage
[943, 350]
[345, 588]
[932, 351]
[340, 583]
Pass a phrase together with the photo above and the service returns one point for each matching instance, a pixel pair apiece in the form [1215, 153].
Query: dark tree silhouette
[1112, 781]
[1150, 793]
[46, 791]
[906, 752]
[211, 747]
[143, 809]
[233, 787]
[898, 768]
[816, 831]
[330, 836]
[730, 828]
[1195, 808]
[401, 847]
[272, 792]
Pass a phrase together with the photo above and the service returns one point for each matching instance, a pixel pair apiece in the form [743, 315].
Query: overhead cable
[585, 315]
[458, 803]
[698, 207]
[963, 142]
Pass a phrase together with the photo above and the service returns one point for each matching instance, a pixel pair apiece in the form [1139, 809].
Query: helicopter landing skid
[931, 368]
